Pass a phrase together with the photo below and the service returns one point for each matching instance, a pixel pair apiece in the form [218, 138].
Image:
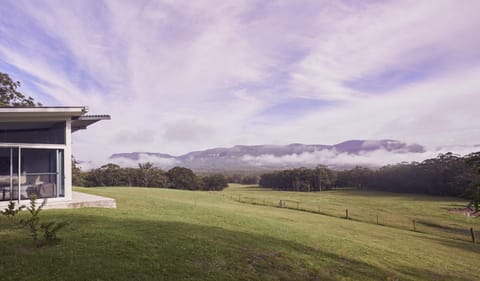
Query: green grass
[161, 234]
[396, 210]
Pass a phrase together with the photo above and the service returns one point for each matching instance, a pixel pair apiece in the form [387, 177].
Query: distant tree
[213, 182]
[182, 178]
[473, 161]
[77, 175]
[243, 179]
[300, 179]
[250, 180]
[151, 176]
[10, 97]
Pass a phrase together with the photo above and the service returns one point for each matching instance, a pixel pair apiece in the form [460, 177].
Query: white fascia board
[42, 112]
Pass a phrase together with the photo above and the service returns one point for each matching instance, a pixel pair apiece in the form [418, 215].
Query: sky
[178, 76]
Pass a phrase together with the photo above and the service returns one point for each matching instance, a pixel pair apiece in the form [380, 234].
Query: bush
[33, 222]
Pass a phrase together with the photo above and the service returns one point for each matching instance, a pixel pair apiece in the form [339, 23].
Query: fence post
[280, 204]
[472, 232]
[414, 226]
[346, 214]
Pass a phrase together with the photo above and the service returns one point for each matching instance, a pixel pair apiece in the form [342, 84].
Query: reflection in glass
[41, 173]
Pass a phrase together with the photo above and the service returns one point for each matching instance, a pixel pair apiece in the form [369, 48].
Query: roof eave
[26, 112]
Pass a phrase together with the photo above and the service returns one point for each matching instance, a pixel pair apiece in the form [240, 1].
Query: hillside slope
[161, 234]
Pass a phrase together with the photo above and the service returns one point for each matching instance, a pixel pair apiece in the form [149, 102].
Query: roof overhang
[22, 113]
[51, 114]
[84, 121]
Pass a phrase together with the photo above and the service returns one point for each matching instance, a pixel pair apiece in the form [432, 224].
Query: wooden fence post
[472, 232]
[280, 204]
[346, 214]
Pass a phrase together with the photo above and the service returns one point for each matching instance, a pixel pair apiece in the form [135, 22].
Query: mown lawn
[161, 234]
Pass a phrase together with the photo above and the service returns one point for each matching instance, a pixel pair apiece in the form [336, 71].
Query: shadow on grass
[445, 228]
[413, 273]
[109, 248]
[463, 245]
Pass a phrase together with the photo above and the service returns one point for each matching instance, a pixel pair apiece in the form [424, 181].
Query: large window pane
[40, 173]
[5, 188]
[8, 173]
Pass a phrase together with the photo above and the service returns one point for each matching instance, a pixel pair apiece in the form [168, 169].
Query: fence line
[467, 234]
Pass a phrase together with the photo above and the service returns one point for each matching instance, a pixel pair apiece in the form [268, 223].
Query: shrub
[33, 222]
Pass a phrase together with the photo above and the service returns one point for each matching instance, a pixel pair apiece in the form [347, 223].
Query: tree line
[300, 179]
[146, 175]
[243, 179]
[446, 175]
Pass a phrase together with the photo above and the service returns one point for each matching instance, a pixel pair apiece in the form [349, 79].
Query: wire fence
[380, 218]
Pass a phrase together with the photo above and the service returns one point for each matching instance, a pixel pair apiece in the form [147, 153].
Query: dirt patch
[464, 211]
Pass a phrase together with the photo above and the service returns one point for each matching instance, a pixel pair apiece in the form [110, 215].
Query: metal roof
[46, 114]
[84, 121]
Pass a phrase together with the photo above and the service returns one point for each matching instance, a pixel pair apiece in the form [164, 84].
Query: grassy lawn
[392, 209]
[161, 234]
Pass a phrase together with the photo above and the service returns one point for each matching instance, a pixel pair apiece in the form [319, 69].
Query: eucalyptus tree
[10, 96]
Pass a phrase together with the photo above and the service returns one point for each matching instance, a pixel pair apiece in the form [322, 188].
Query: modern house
[35, 151]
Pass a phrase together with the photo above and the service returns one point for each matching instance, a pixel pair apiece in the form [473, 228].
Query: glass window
[41, 173]
[41, 169]
[33, 132]
[8, 173]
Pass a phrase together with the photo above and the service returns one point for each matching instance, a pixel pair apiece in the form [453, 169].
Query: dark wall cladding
[43, 133]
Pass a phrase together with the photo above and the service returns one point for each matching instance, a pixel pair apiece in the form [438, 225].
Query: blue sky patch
[391, 79]
[293, 108]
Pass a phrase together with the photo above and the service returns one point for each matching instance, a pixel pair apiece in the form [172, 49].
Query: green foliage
[243, 179]
[213, 182]
[300, 179]
[11, 211]
[151, 176]
[182, 178]
[473, 192]
[446, 175]
[10, 97]
[147, 175]
[50, 230]
[77, 175]
[35, 226]
[33, 221]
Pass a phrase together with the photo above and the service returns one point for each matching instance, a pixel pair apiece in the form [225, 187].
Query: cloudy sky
[178, 76]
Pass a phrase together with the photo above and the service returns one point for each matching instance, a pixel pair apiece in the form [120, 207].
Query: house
[36, 152]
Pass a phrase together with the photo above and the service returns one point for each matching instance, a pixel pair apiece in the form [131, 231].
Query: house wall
[67, 164]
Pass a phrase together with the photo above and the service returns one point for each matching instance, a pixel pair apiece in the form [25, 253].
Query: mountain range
[269, 157]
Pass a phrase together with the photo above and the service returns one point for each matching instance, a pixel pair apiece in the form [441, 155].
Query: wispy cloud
[178, 76]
